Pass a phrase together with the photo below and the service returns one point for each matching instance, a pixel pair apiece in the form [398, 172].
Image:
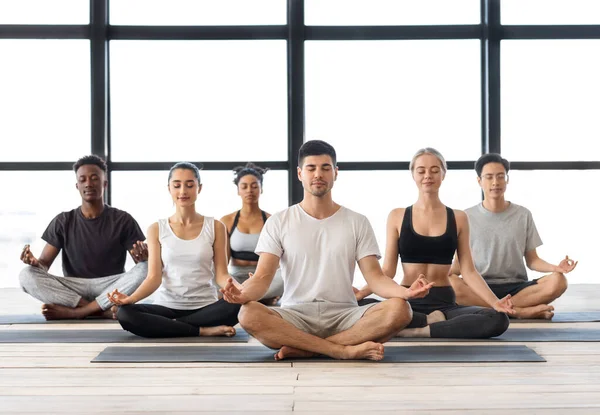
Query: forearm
[43, 265]
[385, 287]
[480, 287]
[145, 289]
[540, 265]
[256, 287]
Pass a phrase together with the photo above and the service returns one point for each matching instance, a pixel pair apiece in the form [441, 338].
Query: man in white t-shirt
[318, 243]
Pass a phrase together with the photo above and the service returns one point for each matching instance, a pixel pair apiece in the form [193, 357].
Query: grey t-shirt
[499, 242]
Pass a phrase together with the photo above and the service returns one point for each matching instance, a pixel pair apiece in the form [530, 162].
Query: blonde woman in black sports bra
[244, 227]
[425, 236]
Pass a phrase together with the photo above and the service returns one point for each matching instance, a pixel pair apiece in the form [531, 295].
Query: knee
[559, 284]
[249, 316]
[27, 278]
[398, 313]
[124, 314]
[498, 324]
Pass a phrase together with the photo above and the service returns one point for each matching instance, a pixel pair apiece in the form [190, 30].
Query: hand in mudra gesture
[28, 258]
[118, 298]
[567, 265]
[233, 292]
[505, 305]
[419, 288]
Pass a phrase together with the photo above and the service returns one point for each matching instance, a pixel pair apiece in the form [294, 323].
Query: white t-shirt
[318, 256]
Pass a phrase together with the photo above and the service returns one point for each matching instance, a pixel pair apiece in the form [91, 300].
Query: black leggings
[149, 320]
[461, 322]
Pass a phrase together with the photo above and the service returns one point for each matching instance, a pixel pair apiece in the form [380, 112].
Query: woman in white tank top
[186, 252]
[243, 229]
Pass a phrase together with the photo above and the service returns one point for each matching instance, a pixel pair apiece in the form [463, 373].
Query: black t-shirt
[93, 248]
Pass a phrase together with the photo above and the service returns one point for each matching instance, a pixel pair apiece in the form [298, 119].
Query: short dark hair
[316, 148]
[249, 168]
[490, 158]
[91, 159]
[184, 165]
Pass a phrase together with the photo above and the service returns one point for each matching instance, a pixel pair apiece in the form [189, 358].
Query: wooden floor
[59, 379]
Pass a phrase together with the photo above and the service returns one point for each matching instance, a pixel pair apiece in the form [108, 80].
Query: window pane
[383, 100]
[45, 100]
[197, 12]
[23, 220]
[391, 12]
[357, 190]
[569, 227]
[550, 92]
[44, 12]
[152, 201]
[549, 12]
[199, 100]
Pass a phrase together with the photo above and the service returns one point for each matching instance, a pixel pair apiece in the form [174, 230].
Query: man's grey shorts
[323, 319]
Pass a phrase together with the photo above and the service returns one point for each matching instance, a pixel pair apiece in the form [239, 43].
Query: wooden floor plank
[78, 404]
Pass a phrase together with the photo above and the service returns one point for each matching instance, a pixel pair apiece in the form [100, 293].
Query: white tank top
[187, 268]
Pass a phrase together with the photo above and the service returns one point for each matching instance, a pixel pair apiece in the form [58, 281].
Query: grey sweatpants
[68, 291]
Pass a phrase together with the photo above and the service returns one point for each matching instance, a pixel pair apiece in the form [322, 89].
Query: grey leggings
[68, 291]
[241, 274]
[461, 322]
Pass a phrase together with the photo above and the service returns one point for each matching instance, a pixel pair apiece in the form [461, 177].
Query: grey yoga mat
[560, 317]
[526, 334]
[39, 319]
[565, 317]
[105, 336]
[260, 354]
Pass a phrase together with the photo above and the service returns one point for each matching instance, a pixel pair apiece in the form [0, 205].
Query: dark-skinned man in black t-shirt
[94, 239]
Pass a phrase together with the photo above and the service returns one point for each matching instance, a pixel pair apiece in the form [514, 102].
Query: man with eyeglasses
[502, 234]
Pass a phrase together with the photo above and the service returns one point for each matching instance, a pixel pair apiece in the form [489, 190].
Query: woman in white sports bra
[244, 226]
[186, 252]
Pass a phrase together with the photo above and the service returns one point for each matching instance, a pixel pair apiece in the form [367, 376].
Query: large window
[44, 100]
[35, 199]
[384, 100]
[550, 105]
[44, 12]
[147, 83]
[548, 12]
[198, 100]
[391, 12]
[197, 12]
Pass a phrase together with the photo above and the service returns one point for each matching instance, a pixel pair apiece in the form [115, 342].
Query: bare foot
[435, 317]
[542, 311]
[113, 312]
[416, 332]
[287, 352]
[59, 312]
[366, 350]
[226, 331]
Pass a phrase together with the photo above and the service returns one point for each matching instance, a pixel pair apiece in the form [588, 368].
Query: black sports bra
[246, 255]
[419, 249]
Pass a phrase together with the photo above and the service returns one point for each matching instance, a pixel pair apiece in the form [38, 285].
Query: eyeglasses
[501, 177]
